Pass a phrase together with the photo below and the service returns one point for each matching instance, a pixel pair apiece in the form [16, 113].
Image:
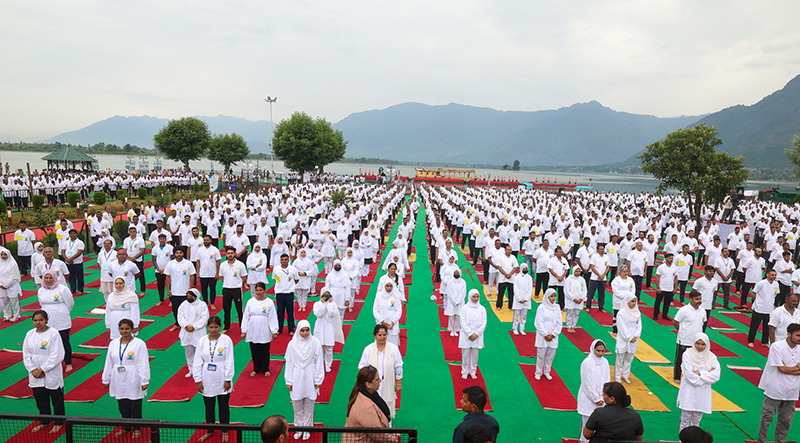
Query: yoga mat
[741, 338]
[9, 358]
[89, 391]
[159, 311]
[717, 349]
[35, 306]
[582, 340]
[368, 278]
[28, 293]
[353, 316]
[337, 348]
[604, 318]
[102, 340]
[253, 392]
[234, 333]
[642, 398]
[753, 375]
[648, 312]
[279, 344]
[552, 394]
[460, 384]
[526, 344]
[326, 390]
[177, 388]
[216, 437]
[363, 291]
[402, 320]
[23, 319]
[451, 350]
[92, 285]
[718, 402]
[442, 318]
[43, 436]
[20, 389]
[163, 339]
[646, 354]
[403, 342]
[717, 324]
[143, 437]
[303, 315]
[741, 318]
[80, 323]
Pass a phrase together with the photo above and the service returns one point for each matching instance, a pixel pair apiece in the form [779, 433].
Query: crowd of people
[557, 253]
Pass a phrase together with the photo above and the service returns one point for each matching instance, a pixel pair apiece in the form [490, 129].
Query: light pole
[271, 100]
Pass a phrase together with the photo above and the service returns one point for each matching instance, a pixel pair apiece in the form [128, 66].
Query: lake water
[601, 182]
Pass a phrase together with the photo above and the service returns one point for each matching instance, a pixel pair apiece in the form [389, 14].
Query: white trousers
[328, 264]
[313, 289]
[352, 296]
[394, 338]
[453, 323]
[572, 317]
[469, 361]
[365, 270]
[327, 352]
[584, 419]
[544, 360]
[520, 316]
[302, 297]
[189, 350]
[493, 276]
[622, 365]
[341, 312]
[690, 418]
[10, 306]
[303, 412]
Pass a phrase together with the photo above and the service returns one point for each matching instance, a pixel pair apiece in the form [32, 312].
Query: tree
[687, 161]
[228, 149]
[306, 144]
[183, 140]
[505, 167]
[516, 166]
[793, 155]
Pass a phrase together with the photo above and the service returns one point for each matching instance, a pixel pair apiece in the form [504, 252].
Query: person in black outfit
[615, 421]
[473, 402]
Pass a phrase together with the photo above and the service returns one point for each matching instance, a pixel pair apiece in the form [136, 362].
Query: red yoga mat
[648, 312]
[741, 318]
[177, 388]
[81, 322]
[143, 437]
[253, 392]
[353, 316]
[407, 280]
[337, 348]
[403, 342]
[719, 325]
[303, 315]
[326, 390]
[403, 316]
[20, 389]
[582, 340]
[28, 293]
[363, 291]
[43, 436]
[23, 319]
[459, 384]
[162, 340]
[526, 344]
[279, 344]
[102, 340]
[9, 358]
[89, 391]
[552, 394]
[93, 284]
[717, 349]
[604, 318]
[442, 318]
[159, 311]
[741, 338]
[753, 375]
[368, 278]
[32, 307]
[452, 353]
[216, 437]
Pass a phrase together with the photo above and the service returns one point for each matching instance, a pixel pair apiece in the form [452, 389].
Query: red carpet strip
[604, 318]
[81, 322]
[648, 312]
[143, 437]
[216, 437]
[102, 340]
[89, 391]
[552, 394]
[741, 338]
[253, 392]
[459, 384]
[278, 345]
[9, 358]
[718, 325]
[741, 318]
[403, 342]
[403, 316]
[43, 436]
[353, 316]
[326, 390]
[337, 349]
[20, 389]
[303, 315]
[159, 311]
[753, 375]
[442, 318]
[23, 319]
[28, 293]
[582, 340]
[163, 339]
[526, 344]
[177, 388]
[452, 353]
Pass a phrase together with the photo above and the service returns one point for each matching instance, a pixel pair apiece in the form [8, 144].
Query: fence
[17, 428]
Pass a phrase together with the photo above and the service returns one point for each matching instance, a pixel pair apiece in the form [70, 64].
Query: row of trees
[515, 167]
[97, 148]
[189, 139]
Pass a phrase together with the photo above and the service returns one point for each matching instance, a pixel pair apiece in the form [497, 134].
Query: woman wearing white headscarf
[457, 294]
[548, 327]
[304, 268]
[314, 256]
[368, 246]
[257, 267]
[398, 262]
[304, 375]
[259, 328]
[523, 289]
[328, 250]
[358, 254]
[446, 272]
[387, 310]
[342, 233]
[338, 282]
[400, 245]
[36, 258]
[57, 300]
[575, 295]
[393, 276]
[122, 303]
[622, 286]
[385, 356]
[700, 370]
[629, 329]
[9, 286]
[328, 327]
[594, 374]
[352, 267]
[278, 248]
[470, 339]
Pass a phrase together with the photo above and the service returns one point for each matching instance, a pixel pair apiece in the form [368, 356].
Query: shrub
[12, 247]
[160, 190]
[162, 201]
[173, 190]
[205, 187]
[73, 198]
[99, 198]
[50, 240]
[121, 194]
[38, 202]
[196, 188]
[797, 198]
[142, 193]
[3, 207]
[121, 228]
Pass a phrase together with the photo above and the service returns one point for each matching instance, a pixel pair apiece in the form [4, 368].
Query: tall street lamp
[271, 100]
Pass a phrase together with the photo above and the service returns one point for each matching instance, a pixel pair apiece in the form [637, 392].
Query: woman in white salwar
[457, 294]
[401, 246]
[358, 254]
[259, 328]
[397, 259]
[595, 373]
[385, 356]
[257, 267]
[352, 267]
[338, 282]
[122, 303]
[328, 327]
[621, 286]
[126, 374]
[368, 246]
[305, 267]
[192, 318]
[446, 272]
[314, 255]
[10, 289]
[57, 300]
[304, 375]
[523, 288]
[548, 327]
[575, 294]
[470, 339]
[213, 371]
[629, 329]
[387, 310]
[700, 370]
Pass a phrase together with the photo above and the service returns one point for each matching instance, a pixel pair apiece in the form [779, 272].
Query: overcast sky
[68, 64]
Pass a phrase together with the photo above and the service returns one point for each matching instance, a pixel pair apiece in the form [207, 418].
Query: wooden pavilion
[68, 158]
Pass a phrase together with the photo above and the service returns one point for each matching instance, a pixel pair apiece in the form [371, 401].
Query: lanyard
[211, 348]
[71, 245]
[48, 266]
[122, 351]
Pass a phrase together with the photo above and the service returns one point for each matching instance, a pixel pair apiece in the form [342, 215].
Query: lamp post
[271, 100]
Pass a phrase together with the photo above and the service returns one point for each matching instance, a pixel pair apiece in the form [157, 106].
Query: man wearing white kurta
[781, 384]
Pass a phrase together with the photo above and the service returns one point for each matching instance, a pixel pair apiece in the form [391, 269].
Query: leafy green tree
[505, 167]
[183, 140]
[515, 167]
[793, 155]
[688, 162]
[306, 144]
[228, 149]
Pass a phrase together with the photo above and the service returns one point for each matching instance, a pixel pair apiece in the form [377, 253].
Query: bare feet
[38, 428]
[253, 374]
[349, 309]
[174, 328]
[68, 368]
[751, 345]
[571, 330]
[206, 436]
[677, 382]
[224, 331]
[159, 303]
[267, 374]
[120, 433]
[136, 433]
[56, 429]
[224, 436]
[213, 308]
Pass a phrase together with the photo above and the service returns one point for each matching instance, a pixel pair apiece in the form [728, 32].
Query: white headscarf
[631, 314]
[302, 263]
[470, 303]
[338, 278]
[547, 304]
[301, 351]
[119, 298]
[9, 270]
[701, 359]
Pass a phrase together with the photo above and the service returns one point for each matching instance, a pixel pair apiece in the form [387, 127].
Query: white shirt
[232, 274]
[127, 270]
[44, 351]
[691, 322]
[724, 265]
[285, 279]
[127, 369]
[161, 255]
[214, 365]
[180, 275]
[765, 291]
[134, 246]
[780, 318]
[600, 263]
[706, 288]
[780, 266]
[777, 385]
[666, 277]
[208, 258]
[753, 267]
[25, 241]
[259, 321]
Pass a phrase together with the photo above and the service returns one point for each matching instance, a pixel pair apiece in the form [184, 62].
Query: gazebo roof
[68, 154]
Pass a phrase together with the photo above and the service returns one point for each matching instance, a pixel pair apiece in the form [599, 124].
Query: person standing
[213, 371]
[558, 267]
[73, 257]
[57, 300]
[105, 257]
[208, 270]
[338, 283]
[637, 262]
[471, 341]
[599, 269]
[688, 321]
[782, 317]
[784, 269]
[614, 421]
[366, 407]
[192, 318]
[595, 374]
[575, 294]
[473, 402]
[387, 310]
[700, 370]
[286, 276]
[523, 290]
[120, 268]
[629, 330]
[766, 290]
[684, 268]
[548, 328]
[753, 270]
[506, 266]
[707, 287]
[780, 382]
[666, 282]
[304, 375]
[385, 357]
[180, 276]
[42, 354]
[25, 239]
[122, 303]
[234, 282]
[259, 327]
[161, 255]
[328, 327]
[10, 289]
[126, 374]
[621, 286]
[135, 248]
[725, 269]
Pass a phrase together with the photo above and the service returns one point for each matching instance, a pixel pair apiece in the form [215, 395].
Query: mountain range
[583, 134]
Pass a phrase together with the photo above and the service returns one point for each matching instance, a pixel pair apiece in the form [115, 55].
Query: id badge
[105, 266]
[212, 367]
[120, 368]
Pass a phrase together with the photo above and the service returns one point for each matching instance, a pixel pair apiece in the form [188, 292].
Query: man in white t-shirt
[180, 277]
[666, 281]
[688, 321]
[507, 266]
[161, 255]
[707, 287]
[725, 268]
[637, 263]
[783, 316]
[73, 257]
[684, 262]
[558, 268]
[135, 248]
[785, 268]
[285, 276]
[25, 239]
[765, 292]
[541, 259]
[123, 268]
[234, 282]
[208, 258]
[599, 269]
[781, 384]
[753, 270]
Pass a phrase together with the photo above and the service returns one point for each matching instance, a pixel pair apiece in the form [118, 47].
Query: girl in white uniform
[523, 288]
[213, 372]
[314, 256]
[305, 267]
[122, 303]
[42, 354]
[394, 276]
[387, 310]
[257, 266]
[548, 327]
[629, 329]
[57, 300]
[470, 339]
[700, 371]
[594, 374]
[126, 374]
[328, 251]
[192, 318]
[278, 248]
[338, 282]
[575, 294]
[328, 327]
[37, 258]
[259, 328]
[304, 375]
[9, 286]
[385, 356]
[446, 272]
[621, 286]
[457, 294]
[352, 267]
